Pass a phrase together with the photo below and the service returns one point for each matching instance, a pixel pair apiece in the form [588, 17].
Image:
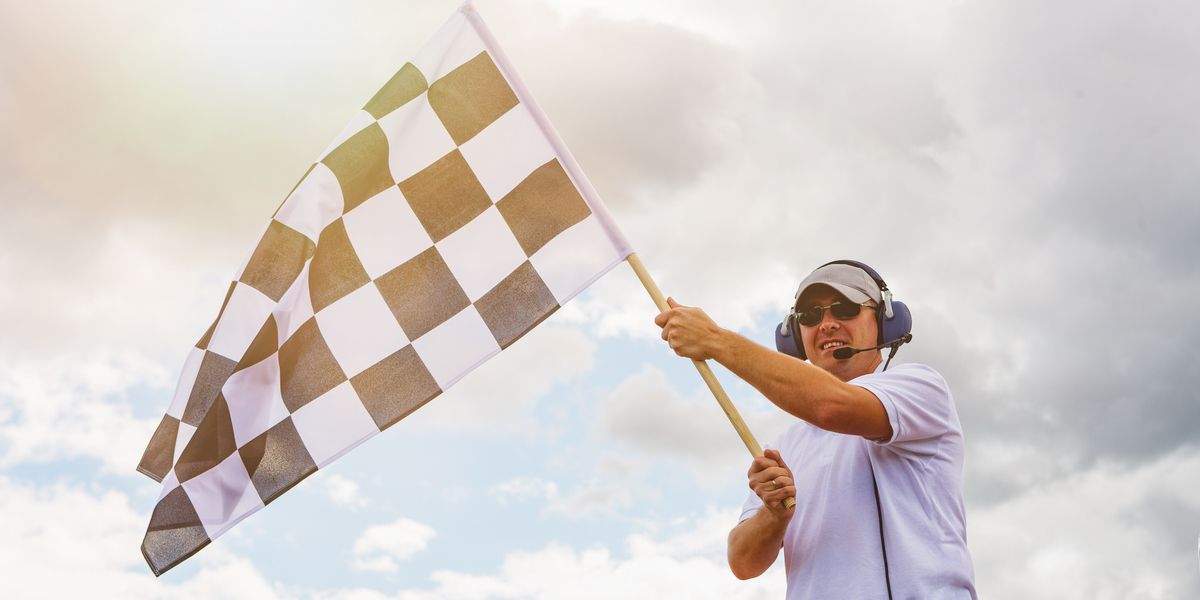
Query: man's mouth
[832, 344]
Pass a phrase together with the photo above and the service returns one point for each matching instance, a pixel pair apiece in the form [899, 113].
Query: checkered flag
[445, 222]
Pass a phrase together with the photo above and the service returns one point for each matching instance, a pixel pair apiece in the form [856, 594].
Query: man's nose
[828, 322]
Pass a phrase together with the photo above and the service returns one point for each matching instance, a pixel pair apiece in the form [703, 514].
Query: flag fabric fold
[444, 222]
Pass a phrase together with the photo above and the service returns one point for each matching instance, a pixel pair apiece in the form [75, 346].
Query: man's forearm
[800, 389]
[754, 544]
[810, 393]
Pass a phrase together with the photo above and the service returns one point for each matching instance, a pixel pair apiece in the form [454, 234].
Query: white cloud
[118, 317]
[1098, 534]
[65, 541]
[523, 489]
[595, 497]
[648, 413]
[342, 491]
[689, 562]
[381, 548]
[1107, 532]
[602, 494]
[74, 406]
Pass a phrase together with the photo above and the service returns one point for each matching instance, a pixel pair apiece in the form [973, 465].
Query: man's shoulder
[906, 372]
[910, 386]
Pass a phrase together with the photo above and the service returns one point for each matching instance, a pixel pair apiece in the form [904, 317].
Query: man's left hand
[689, 331]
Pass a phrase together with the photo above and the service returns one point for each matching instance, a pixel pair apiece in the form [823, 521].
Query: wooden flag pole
[702, 366]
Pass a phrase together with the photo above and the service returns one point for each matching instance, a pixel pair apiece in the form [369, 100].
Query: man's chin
[828, 363]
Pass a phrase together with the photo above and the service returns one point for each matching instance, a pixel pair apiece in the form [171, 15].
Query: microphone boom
[846, 352]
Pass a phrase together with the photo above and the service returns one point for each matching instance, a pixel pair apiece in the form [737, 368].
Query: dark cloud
[1096, 110]
[1075, 142]
[1024, 183]
[641, 104]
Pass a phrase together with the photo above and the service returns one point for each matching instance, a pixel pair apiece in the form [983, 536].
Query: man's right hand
[755, 542]
[771, 480]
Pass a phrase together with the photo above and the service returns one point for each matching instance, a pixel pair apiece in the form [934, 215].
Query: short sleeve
[918, 405]
[750, 506]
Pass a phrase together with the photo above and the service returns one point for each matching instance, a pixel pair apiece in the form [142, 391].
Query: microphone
[844, 353]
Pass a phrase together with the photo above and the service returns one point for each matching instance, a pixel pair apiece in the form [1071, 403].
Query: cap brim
[853, 295]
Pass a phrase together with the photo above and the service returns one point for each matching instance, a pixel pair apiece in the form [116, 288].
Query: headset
[893, 319]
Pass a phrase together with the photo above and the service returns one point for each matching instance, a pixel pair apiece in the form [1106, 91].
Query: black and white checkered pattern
[439, 228]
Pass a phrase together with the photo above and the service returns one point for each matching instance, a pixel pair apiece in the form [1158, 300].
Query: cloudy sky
[1022, 173]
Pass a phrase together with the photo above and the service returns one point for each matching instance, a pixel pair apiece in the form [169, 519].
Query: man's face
[822, 339]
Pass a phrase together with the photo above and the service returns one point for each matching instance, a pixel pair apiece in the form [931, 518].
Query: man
[874, 462]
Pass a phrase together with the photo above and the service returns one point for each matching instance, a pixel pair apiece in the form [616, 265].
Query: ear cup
[896, 327]
[794, 327]
[790, 343]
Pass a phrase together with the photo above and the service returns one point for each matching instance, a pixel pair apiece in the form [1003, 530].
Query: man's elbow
[743, 571]
[741, 563]
[743, 575]
[853, 415]
[848, 410]
[831, 415]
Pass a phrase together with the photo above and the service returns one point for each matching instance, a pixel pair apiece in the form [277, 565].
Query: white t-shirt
[831, 547]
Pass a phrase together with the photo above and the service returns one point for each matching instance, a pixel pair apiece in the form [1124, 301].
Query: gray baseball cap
[852, 282]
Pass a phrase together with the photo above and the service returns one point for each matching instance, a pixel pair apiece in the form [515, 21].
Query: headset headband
[888, 311]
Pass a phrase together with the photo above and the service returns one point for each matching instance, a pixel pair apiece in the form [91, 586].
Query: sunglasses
[842, 311]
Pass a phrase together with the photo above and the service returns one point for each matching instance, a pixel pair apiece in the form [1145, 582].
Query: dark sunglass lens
[845, 310]
[810, 316]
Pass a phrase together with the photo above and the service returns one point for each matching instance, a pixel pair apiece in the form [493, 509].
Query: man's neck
[856, 371]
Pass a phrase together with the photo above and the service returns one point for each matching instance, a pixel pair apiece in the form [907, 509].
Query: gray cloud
[690, 87]
[1019, 195]
[1021, 173]
[645, 413]
[1072, 160]
[1026, 186]
[1093, 535]
[1096, 105]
